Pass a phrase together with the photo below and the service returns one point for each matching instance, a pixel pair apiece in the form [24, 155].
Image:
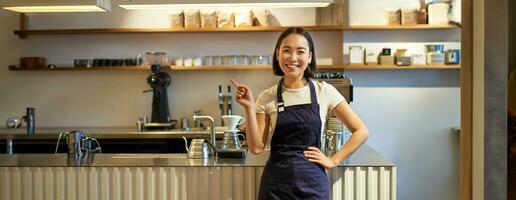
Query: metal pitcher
[199, 148]
[333, 140]
[80, 148]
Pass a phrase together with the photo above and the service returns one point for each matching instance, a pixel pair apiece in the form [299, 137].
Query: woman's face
[294, 55]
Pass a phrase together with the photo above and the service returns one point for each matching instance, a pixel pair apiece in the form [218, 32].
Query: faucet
[212, 128]
[80, 148]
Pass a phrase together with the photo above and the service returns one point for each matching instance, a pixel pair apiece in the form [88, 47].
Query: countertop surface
[364, 156]
[45, 133]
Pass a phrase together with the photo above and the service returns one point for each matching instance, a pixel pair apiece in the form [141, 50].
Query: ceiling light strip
[221, 5]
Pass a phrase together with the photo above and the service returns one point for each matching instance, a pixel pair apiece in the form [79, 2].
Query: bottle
[185, 124]
[31, 124]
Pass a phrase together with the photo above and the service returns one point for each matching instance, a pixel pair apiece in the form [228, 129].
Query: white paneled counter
[366, 175]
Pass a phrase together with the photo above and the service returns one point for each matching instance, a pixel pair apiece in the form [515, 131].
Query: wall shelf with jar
[24, 33]
[200, 68]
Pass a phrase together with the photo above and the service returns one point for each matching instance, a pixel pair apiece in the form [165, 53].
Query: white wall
[114, 98]
[410, 113]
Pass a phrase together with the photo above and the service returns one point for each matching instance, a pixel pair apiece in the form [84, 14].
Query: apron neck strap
[279, 97]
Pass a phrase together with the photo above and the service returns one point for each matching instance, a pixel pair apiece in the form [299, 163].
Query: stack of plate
[333, 123]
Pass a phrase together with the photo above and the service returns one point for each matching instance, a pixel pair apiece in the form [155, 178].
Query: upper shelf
[401, 27]
[23, 33]
[175, 68]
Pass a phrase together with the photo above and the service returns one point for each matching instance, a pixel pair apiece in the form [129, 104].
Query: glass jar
[253, 60]
[242, 60]
[217, 60]
[207, 61]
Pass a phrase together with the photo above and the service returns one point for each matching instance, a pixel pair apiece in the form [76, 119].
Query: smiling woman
[296, 108]
[294, 54]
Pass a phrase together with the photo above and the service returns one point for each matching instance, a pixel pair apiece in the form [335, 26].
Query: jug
[199, 148]
[231, 140]
[80, 148]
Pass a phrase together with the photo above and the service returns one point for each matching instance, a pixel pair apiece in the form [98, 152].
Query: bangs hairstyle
[310, 69]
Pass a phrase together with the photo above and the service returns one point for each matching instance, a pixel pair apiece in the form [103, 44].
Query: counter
[46, 133]
[366, 174]
[364, 156]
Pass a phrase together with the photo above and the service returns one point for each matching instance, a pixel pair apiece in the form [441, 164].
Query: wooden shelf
[196, 68]
[70, 68]
[23, 33]
[169, 30]
[261, 67]
[402, 27]
[375, 66]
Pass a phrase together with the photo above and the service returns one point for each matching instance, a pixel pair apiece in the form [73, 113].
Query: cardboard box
[387, 60]
[371, 55]
[418, 59]
[356, 55]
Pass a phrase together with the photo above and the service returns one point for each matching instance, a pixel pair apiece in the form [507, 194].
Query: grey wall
[495, 83]
[409, 113]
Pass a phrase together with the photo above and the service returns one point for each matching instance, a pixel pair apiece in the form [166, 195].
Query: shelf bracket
[24, 22]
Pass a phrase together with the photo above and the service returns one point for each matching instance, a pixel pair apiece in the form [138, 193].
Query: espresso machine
[158, 81]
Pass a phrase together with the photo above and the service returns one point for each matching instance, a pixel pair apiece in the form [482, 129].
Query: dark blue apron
[288, 174]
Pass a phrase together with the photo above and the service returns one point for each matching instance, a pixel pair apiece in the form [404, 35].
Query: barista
[296, 108]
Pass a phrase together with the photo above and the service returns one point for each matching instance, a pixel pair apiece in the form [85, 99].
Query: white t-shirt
[327, 97]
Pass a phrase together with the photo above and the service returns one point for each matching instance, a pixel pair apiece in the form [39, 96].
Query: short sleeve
[261, 101]
[334, 96]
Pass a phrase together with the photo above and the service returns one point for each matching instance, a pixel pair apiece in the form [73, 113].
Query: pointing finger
[235, 83]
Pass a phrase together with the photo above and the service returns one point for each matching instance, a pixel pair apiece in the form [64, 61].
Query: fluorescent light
[199, 4]
[28, 6]
[26, 9]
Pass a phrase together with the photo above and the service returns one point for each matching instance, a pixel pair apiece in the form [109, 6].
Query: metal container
[199, 148]
[31, 121]
[333, 141]
[82, 63]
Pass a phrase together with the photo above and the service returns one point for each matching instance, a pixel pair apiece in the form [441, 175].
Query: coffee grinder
[159, 81]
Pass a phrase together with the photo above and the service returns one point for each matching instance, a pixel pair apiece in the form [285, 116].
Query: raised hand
[244, 95]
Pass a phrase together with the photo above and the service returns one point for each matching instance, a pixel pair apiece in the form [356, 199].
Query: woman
[296, 109]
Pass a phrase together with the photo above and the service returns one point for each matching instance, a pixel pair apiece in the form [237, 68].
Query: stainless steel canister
[333, 142]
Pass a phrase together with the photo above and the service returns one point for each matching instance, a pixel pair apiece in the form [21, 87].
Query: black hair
[310, 69]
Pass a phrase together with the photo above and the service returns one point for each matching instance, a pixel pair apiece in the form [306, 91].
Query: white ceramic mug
[187, 62]
[197, 61]
[179, 62]
[231, 121]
